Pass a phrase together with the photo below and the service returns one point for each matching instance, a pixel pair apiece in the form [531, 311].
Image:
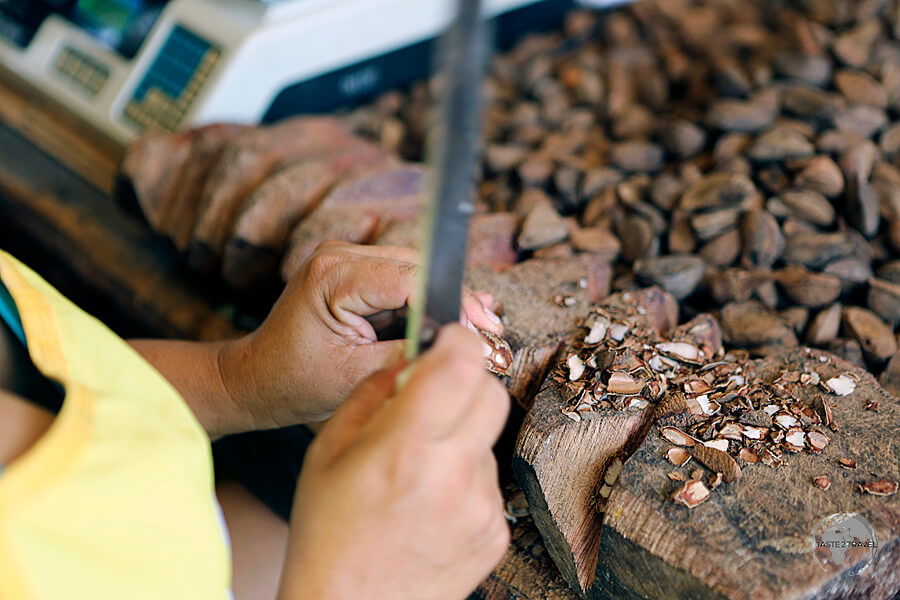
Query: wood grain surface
[50, 127]
[111, 252]
[753, 537]
[559, 462]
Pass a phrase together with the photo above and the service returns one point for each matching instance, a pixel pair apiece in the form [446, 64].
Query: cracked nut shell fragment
[691, 493]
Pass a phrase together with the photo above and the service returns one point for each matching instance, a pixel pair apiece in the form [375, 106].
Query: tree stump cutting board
[761, 439]
[542, 300]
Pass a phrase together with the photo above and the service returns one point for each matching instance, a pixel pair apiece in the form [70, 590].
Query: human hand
[399, 497]
[316, 345]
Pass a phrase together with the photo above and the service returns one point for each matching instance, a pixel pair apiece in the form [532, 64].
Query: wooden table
[62, 221]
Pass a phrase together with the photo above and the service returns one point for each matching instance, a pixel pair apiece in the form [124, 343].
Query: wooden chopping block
[559, 462]
[613, 528]
[753, 537]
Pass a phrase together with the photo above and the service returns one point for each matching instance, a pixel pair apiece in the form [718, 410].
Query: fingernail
[397, 354]
[492, 316]
[471, 327]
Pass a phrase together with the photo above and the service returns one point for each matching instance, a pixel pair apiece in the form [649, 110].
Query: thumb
[344, 426]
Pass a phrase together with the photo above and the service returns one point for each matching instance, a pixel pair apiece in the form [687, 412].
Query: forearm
[194, 370]
[227, 385]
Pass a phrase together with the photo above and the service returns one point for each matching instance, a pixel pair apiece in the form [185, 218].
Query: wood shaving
[749, 456]
[680, 351]
[816, 440]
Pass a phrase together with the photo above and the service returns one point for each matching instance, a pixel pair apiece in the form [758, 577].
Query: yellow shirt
[116, 500]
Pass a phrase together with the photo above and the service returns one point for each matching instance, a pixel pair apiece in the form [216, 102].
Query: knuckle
[408, 271]
[440, 492]
[392, 270]
[446, 498]
[322, 260]
[457, 471]
[404, 466]
[485, 515]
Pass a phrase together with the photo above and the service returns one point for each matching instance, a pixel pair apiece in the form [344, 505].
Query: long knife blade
[454, 147]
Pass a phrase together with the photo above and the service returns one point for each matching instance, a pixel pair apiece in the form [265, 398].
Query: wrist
[321, 583]
[233, 360]
[262, 392]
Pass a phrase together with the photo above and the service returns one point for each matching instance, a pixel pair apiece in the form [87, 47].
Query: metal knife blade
[454, 149]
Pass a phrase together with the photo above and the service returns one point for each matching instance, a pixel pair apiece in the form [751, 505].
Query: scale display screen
[121, 25]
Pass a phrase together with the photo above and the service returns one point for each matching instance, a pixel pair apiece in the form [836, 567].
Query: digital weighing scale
[128, 66]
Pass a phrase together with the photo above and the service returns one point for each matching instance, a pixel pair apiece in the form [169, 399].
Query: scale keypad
[172, 82]
[82, 71]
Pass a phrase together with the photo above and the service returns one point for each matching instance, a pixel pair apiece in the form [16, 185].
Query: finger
[489, 479]
[490, 474]
[475, 311]
[389, 252]
[362, 286]
[486, 490]
[441, 386]
[342, 429]
[482, 425]
[487, 300]
[477, 306]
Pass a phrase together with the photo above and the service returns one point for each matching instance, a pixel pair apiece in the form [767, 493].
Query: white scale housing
[239, 60]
